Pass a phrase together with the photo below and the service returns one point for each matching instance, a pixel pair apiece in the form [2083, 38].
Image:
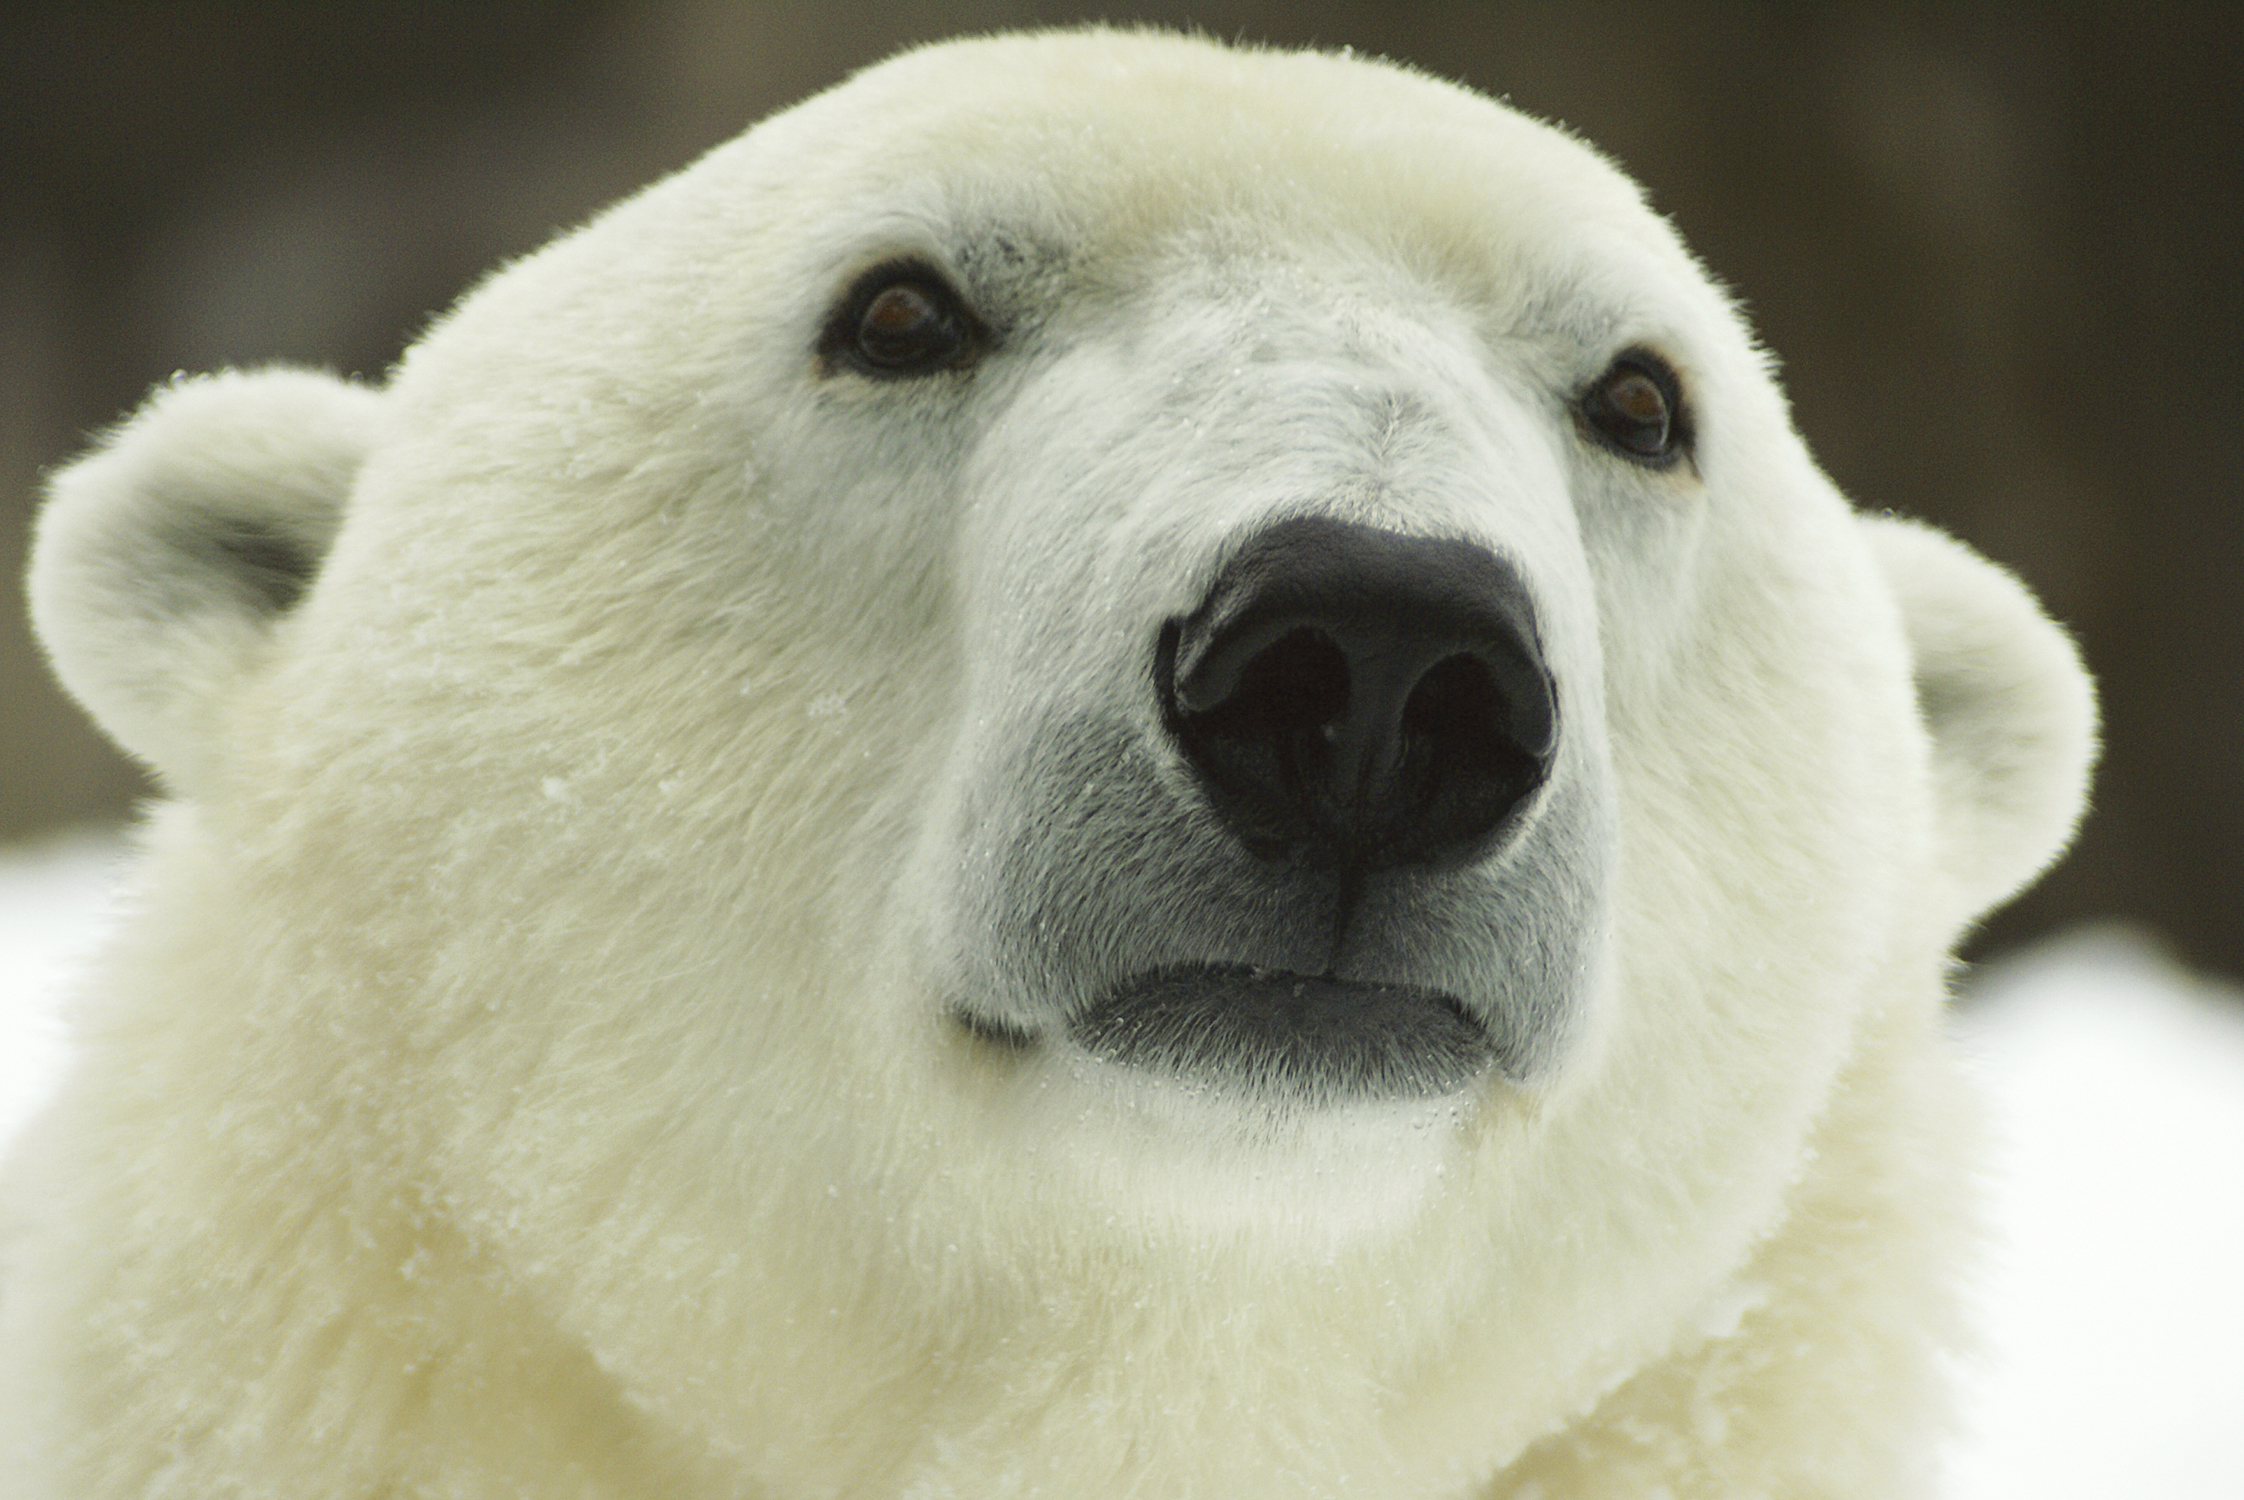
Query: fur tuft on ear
[164, 556]
[2009, 708]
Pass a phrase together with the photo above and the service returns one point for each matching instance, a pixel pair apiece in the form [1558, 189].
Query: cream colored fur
[524, 1070]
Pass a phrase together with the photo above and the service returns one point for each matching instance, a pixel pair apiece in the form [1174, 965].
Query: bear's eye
[900, 319]
[1636, 409]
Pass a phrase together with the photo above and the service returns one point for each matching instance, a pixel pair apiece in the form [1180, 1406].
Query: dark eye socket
[1636, 409]
[898, 320]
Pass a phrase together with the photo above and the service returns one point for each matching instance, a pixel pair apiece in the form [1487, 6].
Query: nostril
[1354, 698]
[1464, 757]
[1262, 730]
[1456, 699]
[1298, 683]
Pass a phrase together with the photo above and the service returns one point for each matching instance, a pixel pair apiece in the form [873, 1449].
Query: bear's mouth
[1285, 1033]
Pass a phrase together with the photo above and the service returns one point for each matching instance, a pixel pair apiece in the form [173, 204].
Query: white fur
[528, 1070]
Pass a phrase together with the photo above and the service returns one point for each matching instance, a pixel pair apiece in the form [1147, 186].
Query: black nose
[1358, 699]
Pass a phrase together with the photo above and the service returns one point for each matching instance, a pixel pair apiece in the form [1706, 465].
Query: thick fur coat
[687, 801]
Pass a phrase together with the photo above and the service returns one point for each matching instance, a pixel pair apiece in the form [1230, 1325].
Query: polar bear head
[1092, 673]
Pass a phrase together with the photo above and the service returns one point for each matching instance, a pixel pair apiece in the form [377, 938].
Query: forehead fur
[1102, 154]
[1145, 127]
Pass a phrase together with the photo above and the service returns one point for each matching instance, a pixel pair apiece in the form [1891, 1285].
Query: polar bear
[1108, 767]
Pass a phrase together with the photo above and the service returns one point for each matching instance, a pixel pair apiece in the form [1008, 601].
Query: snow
[54, 898]
[2114, 1310]
[2116, 1307]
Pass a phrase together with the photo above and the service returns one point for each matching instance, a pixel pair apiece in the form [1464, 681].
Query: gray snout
[1356, 852]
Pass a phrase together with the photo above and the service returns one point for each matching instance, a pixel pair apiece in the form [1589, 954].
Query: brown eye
[1636, 409]
[899, 320]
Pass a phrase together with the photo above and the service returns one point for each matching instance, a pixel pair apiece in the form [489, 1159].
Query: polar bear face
[1090, 668]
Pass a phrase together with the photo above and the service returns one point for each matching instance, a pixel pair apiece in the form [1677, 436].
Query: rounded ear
[2009, 709]
[164, 556]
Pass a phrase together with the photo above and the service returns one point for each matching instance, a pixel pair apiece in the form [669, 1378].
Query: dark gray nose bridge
[1356, 698]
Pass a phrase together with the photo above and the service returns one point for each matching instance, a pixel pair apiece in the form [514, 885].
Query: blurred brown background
[1997, 249]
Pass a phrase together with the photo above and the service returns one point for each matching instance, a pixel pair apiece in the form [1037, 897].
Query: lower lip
[1293, 1035]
